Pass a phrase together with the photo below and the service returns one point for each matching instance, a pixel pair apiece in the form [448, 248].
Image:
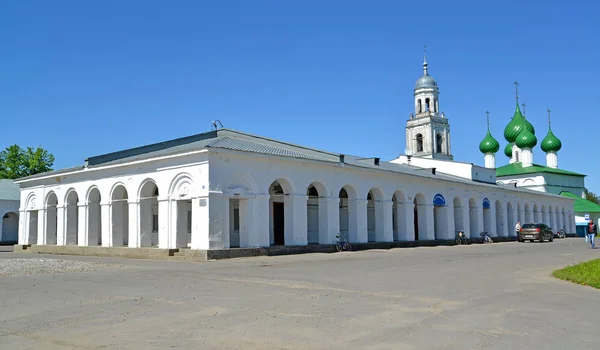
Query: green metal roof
[582, 205]
[517, 169]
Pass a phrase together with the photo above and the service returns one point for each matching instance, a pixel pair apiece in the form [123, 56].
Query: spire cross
[425, 60]
[548, 110]
[524, 111]
[517, 89]
[487, 115]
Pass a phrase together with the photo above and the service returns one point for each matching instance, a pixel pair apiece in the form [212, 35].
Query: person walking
[518, 227]
[592, 231]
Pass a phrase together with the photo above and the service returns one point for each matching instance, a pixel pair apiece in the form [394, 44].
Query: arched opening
[375, 217]
[527, 214]
[500, 225]
[120, 217]
[420, 217]
[419, 143]
[348, 214]
[427, 106]
[473, 218]
[512, 221]
[371, 221]
[281, 213]
[487, 216]
[436, 106]
[181, 213]
[419, 106]
[564, 221]
[440, 217]
[399, 216]
[94, 229]
[10, 228]
[72, 218]
[312, 214]
[149, 214]
[51, 219]
[439, 143]
[459, 220]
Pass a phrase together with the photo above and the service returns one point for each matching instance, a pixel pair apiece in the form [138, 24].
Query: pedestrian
[518, 227]
[592, 231]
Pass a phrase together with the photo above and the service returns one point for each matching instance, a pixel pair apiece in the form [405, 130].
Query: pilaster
[406, 216]
[296, 229]
[259, 207]
[105, 214]
[61, 230]
[163, 223]
[42, 239]
[133, 225]
[82, 223]
[329, 219]
[357, 217]
[429, 232]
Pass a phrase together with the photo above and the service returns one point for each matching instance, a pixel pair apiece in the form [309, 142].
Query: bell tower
[428, 130]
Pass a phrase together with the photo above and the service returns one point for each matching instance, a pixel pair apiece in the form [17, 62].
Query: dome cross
[548, 110]
[517, 90]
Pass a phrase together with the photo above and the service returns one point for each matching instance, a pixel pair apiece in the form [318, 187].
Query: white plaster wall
[464, 170]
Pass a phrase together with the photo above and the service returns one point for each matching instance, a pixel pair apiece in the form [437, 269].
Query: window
[419, 143]
[427, 105]
[419, 107]
[438, 143]
[154, 223]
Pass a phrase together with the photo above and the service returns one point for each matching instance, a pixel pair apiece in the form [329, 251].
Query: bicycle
[486, 237]
[342, 243]
[461, 238]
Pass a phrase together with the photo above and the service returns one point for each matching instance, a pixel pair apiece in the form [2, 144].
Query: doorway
[416, 222]
[278, 224]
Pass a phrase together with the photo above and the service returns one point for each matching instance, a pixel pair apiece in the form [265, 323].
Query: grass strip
[586, 273]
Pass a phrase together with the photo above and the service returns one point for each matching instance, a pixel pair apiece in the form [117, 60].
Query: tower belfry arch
[428, 130]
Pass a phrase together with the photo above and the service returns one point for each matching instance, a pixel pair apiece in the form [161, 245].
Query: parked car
[535, 232]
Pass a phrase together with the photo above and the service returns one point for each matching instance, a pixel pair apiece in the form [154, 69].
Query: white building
[225, 188]
[9, 211]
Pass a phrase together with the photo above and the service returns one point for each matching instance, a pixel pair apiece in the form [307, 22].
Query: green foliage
[16, 162]
[587, 273]
[591, 196]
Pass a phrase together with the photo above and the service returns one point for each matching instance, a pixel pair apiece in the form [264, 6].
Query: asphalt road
[499, 296]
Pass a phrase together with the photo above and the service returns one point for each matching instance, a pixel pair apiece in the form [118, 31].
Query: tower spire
[487, 115]
[517, 90]
[425, 60]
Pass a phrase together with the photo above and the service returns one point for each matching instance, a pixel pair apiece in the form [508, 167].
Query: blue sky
[82, 78]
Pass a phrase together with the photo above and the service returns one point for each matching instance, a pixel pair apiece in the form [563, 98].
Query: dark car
[535, 232]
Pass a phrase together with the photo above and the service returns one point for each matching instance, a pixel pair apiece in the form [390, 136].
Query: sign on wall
[587, 217]
[439, 201]
[486, 203]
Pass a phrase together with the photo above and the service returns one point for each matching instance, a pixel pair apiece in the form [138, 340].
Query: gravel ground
[32, 266]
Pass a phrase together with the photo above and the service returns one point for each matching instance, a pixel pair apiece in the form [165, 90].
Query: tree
[16, 162]
[591, 196]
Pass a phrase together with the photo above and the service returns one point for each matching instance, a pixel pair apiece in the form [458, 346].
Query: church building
[225, 189]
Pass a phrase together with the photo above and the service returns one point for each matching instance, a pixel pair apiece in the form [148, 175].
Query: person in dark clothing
[592, 231]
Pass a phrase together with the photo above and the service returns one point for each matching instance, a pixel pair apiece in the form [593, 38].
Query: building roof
[582, 205]
[9, 190]
[518, 169]
[243, 142]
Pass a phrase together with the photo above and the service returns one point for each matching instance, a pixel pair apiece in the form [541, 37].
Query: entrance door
[278, 224]
[416, 223]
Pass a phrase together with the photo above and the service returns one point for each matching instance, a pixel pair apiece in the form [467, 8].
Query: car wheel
[551, 239]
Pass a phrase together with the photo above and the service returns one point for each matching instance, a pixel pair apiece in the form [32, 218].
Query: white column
[82, 223]
[329, 219]
[208, 216]
[551, 160]
[296, 229]
[450, 234]
[133, 224]
[480, 223]
[526, 157]
[553, 222]
[405, 221]
[493, 228]
[258, 223]
[61, 229]
[511, 229]
[22, 226]
[359, 216]
[106, 217]
[41, 227]
[386, 234]
[163, 223]
[466, 213]
[429, 232]
[490, 160]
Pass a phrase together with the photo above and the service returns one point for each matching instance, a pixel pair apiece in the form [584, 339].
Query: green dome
[489, 144]
[508, 150]
[551, 143]
[526, 139]
[516, 125]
